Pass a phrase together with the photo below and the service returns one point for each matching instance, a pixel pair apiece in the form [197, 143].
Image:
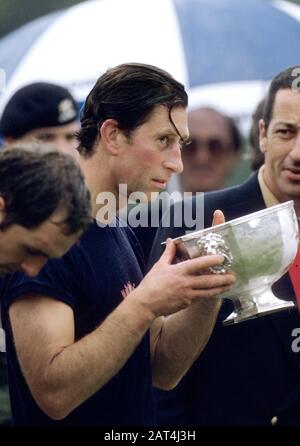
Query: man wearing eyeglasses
[213, 152]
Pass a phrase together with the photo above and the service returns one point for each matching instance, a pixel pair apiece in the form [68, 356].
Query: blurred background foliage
[15, 13]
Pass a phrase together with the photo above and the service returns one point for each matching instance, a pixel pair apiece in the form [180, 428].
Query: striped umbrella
[224, 51]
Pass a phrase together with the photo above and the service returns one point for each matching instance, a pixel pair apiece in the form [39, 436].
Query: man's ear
[2, 209]
[110, 133]
[262, 136]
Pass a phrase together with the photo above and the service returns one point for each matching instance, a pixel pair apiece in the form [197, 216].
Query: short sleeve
[60, 279]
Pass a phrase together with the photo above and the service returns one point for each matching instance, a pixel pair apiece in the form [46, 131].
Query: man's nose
[33, 266]
[174, 161]
[202, 154]
[295, 152]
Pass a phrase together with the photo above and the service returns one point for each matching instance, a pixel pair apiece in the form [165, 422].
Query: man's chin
[152, 197]
[290, 191]
[149, 197]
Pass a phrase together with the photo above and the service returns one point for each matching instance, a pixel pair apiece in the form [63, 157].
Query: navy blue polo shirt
[90, 278]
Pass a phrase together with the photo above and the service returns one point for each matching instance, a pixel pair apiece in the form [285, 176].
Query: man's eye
[285, 132]
[164, 140]
[71, 137]
[34, 252]
[31, 251]
[45, 138]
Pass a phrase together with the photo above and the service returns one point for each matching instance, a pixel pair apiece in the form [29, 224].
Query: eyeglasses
[215, 146]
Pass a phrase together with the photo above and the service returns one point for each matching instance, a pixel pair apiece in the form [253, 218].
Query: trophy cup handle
[213, 243]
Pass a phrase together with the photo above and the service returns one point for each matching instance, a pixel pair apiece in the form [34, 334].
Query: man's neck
[280, 197]
[99, 181]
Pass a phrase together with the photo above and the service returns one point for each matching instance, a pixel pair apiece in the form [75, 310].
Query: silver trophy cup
[259, 248]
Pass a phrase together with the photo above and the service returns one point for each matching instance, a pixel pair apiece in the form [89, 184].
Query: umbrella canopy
[224, 51]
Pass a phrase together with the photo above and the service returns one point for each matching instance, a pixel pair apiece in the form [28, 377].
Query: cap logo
[66, 111]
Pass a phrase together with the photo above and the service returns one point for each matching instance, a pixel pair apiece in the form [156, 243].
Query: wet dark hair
[35, 181]
[283, 80]
[127, 93]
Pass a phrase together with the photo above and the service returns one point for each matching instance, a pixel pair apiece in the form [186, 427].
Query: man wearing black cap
[42, 111]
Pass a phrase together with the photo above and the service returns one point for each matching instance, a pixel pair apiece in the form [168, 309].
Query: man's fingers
[218, 218]
[200, 264]
[211, 281]
[169, 252]
[212, 292]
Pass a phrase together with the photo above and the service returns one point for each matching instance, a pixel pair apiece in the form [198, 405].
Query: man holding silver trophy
[248, 373]
[87, 338]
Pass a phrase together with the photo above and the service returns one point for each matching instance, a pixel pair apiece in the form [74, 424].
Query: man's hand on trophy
[168, 288]
[218, 218]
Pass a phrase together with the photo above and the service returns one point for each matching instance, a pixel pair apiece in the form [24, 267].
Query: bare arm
[62, 373]
[177, 340]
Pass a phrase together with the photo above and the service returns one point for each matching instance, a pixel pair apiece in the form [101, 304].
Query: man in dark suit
[249, 373]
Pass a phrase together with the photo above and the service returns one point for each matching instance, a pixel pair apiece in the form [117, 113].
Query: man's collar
[268, 196]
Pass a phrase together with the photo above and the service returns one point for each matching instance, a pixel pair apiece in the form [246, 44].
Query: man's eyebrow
[42, 132]
[287, 124]
[169, 131]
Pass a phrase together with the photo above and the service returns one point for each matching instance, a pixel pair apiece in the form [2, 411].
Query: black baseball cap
[37, 105]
